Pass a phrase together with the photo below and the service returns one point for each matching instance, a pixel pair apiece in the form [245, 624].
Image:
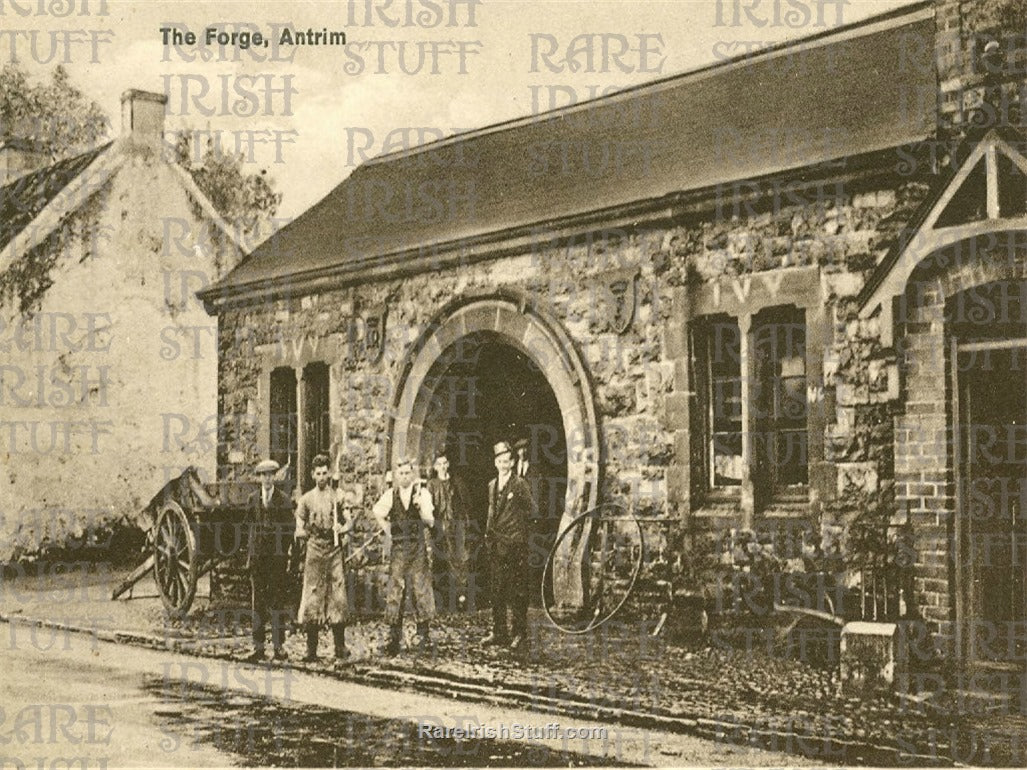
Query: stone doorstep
[566, 705]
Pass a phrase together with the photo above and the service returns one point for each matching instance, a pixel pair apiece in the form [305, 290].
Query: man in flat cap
[269, 542]
[320, 526]
[511, 509]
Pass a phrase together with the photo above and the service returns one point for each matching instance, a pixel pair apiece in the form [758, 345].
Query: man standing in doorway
[267, 558]
[511, 509]
[452, 513]
[404, 511]
[324, 579]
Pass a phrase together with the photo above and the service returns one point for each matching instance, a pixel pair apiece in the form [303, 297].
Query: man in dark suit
[270, 539]
[507, 531]
[527, 467]
[452, 504]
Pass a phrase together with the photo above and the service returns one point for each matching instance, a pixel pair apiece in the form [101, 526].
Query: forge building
[773, 294]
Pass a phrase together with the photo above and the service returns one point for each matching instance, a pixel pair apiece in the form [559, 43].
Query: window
[316, 425]
[283, 442]
[779, 396]
[774, 421]
[717, 369]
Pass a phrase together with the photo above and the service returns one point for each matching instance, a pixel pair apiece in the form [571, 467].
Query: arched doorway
[483, 390]
[496, 367]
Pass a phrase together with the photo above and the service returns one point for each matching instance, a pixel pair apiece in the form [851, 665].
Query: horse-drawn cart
[191, 528]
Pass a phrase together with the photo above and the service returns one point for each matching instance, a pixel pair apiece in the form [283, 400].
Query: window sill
[790, 504]
[720, 502]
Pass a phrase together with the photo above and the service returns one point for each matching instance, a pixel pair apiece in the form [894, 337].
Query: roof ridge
[821, 38]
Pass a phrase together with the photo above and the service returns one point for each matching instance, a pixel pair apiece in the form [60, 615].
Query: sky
[410, 71]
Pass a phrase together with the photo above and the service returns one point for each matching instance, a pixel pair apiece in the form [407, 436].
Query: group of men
[407, 511]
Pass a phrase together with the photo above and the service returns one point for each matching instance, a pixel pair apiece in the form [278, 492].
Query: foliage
[994, 15]
[248, 201]
[56, 116]
[27, 279]
[62, 122]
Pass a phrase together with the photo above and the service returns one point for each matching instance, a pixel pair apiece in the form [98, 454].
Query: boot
[395, 635]
[339, 636]
[423, 641]
[312, 632]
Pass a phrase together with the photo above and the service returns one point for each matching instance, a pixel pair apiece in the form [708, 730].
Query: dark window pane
[790, 460]
[792, 402]
[727, 404]
[283, 420]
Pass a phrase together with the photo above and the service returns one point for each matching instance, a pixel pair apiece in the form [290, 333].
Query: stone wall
[640, 378]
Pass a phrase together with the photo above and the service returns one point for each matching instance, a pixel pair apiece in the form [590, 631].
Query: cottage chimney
[18, 157]
[142, 117]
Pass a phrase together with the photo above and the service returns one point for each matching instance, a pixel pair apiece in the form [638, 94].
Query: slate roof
[862, 88]
[22, 200]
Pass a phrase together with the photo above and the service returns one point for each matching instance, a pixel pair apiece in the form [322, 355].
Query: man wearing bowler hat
[267, 558]
[511, 509]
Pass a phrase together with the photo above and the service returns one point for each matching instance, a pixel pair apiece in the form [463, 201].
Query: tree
[62, 122]
[56, 116]
[248, 201]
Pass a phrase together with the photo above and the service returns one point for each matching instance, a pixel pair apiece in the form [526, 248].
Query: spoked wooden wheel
[609, 565]
[175, 561]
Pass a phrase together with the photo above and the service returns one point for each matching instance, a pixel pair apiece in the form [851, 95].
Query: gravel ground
[746, 694]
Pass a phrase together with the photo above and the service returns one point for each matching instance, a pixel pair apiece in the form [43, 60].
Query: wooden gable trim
[928, 237]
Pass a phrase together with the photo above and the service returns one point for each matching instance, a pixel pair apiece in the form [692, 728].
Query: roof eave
[499, 243]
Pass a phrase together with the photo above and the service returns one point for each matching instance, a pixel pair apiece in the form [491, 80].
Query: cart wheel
[611, 561]
[175, 561]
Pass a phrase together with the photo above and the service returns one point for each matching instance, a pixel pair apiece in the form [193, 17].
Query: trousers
[269, 594]
[408, 568]
[509, 588]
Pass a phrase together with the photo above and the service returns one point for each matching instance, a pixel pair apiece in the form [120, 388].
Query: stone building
[104, 387]
[720, 299]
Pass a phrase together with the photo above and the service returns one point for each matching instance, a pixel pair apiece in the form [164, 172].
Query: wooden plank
[991, 181]
[137, 574]
[827, 617]
[1003, 344]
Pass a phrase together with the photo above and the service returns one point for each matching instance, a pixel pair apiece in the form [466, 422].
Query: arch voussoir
[517, 322]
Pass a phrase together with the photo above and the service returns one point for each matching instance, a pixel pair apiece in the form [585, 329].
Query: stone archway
[510, 319]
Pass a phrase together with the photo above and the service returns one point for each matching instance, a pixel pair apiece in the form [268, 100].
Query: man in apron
[324, 580]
